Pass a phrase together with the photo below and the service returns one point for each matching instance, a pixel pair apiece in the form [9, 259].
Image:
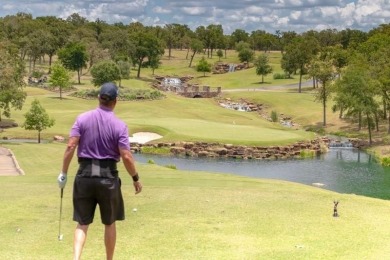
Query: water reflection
[341, 170]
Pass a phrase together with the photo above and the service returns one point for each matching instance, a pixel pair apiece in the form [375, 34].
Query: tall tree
[74, 57]
[239, 35]
[196, 47]
[357, 90]
[377, 52]
[323, 71]
[57, 37]
[147, 46]
[171, 37]
[300, 52]
[11, 81]
[37, 119]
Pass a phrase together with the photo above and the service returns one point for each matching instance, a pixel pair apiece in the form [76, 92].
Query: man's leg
[80, 235]
[110, 240]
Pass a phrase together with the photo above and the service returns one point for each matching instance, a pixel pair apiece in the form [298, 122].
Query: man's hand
[62, 178]
[137, 187]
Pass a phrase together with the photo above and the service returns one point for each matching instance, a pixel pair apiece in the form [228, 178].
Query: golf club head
[60, 237]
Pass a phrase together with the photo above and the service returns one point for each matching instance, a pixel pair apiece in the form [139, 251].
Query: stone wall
[221, 68]
[216, 150]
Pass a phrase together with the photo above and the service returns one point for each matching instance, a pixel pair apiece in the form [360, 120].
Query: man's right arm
[68, 155]
[129, 163]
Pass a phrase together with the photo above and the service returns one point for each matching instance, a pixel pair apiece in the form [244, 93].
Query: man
[101, 140]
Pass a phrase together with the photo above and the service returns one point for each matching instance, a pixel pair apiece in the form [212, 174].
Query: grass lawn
[190, 215]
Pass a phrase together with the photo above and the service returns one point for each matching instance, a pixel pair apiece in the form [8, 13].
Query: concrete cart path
[8, 164]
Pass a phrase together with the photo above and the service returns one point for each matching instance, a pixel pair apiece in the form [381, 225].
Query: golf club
[60, 236]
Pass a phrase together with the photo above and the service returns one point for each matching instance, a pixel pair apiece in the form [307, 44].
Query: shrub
[171, 166]
[279, 76]
[385, 161]
[124, 94]
[274, 116]
[37, 74]
[150, 161]
[307, 153]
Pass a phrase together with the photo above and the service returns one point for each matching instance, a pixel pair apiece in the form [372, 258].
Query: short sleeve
[76, 129]
[123, 141]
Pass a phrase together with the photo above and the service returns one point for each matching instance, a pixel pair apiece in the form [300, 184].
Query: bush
[307, 153]
[274, 116]
[385, 161]
[171, 166]
[37, 74]
[124, 94]
[316, 129]
[280, 76]
[150, 161]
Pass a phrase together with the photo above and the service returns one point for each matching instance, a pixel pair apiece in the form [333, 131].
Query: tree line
[349, 66]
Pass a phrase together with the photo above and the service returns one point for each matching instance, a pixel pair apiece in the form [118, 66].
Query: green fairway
[175, 118]
[190, 215]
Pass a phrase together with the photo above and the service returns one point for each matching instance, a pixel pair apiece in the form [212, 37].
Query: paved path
[8, 164]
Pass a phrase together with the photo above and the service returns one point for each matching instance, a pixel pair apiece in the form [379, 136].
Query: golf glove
[62, 178]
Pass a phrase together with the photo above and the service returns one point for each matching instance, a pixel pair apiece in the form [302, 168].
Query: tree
[357, 91]
[57, 37]
[124, 68]
[37, 119]
[239, 46]
[203, 66]
[323, 72]
[288, 64]
[105, 71]
[239, 35]
[11, 81]
[220, 54]
[377, 50]
[60, 77]
[196, 47]
[74, 57]
[147, 46]
[262, 66]
[171, 37]
[246, 55]
[299, 53]
[154, 63]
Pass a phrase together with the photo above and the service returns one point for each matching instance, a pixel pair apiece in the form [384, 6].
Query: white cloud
[268, 15]
[295, 15]
[161, 10]
[194, 10]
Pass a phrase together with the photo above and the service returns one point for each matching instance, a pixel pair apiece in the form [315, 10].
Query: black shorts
[90, 191]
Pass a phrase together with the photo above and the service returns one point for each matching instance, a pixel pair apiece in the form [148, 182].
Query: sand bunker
[143, 137]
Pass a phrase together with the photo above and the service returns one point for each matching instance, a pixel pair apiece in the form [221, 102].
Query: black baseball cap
[108, 91]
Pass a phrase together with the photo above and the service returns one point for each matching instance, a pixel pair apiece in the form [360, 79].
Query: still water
[340, 170]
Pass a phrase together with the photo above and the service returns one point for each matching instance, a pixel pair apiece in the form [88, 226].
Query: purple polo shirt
[101, 134]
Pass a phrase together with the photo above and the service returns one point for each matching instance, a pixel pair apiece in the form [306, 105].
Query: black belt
[105, 168]
[83, 159]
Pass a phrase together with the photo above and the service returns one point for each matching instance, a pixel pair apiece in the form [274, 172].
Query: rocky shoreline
[217, 150]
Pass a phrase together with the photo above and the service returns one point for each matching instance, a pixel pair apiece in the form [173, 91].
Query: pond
[343, 170]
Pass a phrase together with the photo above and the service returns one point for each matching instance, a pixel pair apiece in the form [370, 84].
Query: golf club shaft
[59, 228]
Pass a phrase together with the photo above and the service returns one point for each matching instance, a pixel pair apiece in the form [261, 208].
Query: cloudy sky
[250, 15]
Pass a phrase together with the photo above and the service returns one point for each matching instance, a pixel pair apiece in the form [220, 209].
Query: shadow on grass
[58, 98]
